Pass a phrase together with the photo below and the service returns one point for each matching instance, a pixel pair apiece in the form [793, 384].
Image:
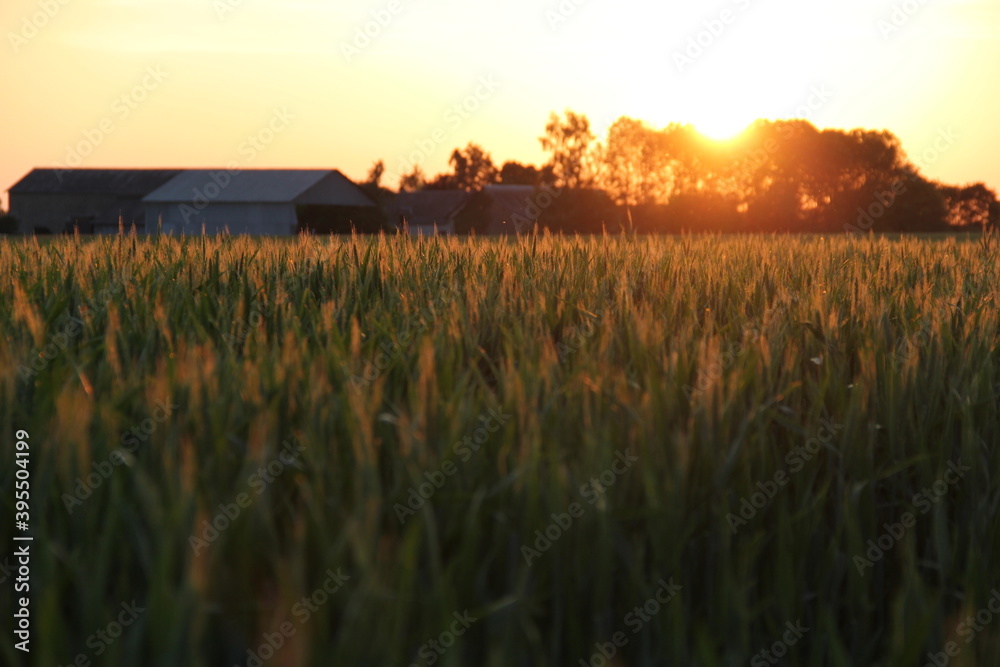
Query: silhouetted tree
[515, 173]
[472, 168]
[413, 181]
[374, 191]
[635, 164]
[919, 207]
[972, 206]
[442, 182]
[570, 142]
[375, 173]
[782, 175]
[8, 223]
[696, 162]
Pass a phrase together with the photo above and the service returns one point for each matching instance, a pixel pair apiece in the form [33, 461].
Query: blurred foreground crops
[390, 451]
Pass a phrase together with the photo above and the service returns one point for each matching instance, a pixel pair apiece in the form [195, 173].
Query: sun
[721, 127]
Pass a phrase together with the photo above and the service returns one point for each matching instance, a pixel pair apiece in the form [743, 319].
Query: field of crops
[582, 451]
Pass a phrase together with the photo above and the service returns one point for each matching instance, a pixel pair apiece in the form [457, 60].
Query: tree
[442, 182]
[972, 206]
[8, 223]
[569, 141]
[413, 181]
[472, 168]
[375, 173]
[515, 173]
[635, 165]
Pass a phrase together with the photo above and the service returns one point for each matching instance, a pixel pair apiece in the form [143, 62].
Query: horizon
[681, 344]
[443, 80]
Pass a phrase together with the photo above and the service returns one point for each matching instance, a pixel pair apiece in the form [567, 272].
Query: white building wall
[250, 219]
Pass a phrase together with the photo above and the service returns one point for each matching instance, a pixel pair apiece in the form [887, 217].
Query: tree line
[777, 176]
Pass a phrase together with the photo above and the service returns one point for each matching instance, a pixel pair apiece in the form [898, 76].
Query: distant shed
[258, 202]
[91, 200]
[492, 210]
[513, 208]
[504, 209]
[424, 211]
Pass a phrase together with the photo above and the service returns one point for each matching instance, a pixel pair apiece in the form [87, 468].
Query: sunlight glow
[365, 85]
[721, 128]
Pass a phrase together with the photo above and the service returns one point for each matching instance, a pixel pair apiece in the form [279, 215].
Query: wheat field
[621, 450]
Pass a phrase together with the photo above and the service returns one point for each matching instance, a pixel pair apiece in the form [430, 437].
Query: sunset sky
[187, 83]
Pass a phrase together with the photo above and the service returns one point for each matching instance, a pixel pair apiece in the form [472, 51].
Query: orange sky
[268, 83]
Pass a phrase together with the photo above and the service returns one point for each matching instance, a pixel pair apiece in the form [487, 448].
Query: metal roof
[122, 182]
[428, 207]
[510, 203]
[307, 186]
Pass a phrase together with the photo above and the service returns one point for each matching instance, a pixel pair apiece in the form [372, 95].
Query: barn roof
[428, 207]
[299, 186]
[122, 182]
[509, 203]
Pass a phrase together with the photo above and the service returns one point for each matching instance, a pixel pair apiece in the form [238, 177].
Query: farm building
[423, 212]
[91, 200]
[506, 209]
[493, 210]
[259, 202]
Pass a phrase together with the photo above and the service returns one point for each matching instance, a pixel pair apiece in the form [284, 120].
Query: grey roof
[305, 186]
[428, 207]
[122, 182]
[510, 204]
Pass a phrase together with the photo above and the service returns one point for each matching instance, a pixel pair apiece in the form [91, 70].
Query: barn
[491, 210]
[427, 211]
[513, 208]
[259, 202]
[92, 201]
[504, 209]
